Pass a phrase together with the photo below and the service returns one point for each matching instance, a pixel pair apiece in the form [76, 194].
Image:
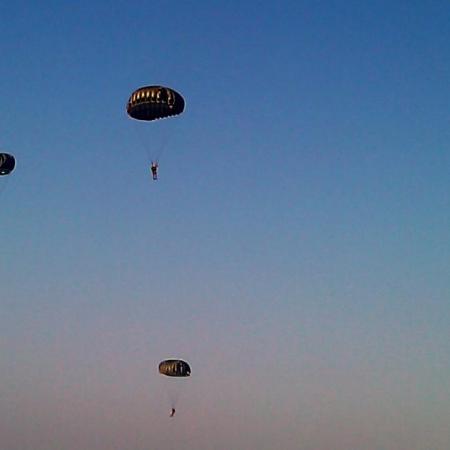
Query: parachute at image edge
[150, 103]
[174, 368]
[7, 163]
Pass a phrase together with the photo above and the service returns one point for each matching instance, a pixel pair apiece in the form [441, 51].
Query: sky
[295, 249]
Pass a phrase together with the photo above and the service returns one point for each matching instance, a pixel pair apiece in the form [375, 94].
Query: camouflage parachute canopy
[174, 368]
[154, 102]
[7, 163]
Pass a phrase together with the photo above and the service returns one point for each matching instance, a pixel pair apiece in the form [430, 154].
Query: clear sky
[296, 249]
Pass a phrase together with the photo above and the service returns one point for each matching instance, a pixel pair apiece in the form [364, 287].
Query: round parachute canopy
[7, 163]
[154, 102]
[174, 368]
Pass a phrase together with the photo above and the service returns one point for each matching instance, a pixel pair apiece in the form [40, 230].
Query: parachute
[147, 105]
[174, 368]
[175, 372]
[7, 163]
[154, 102]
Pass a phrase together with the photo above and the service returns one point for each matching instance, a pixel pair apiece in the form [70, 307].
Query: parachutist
[154, 169]
[172, 412]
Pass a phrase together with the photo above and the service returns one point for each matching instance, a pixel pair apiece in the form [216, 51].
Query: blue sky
[295, 249]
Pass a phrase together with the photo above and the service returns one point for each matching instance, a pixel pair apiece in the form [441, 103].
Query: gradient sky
[296, 249]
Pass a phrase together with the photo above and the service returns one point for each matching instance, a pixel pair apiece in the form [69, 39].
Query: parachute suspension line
[3, 184]
[162, 148]
[169, 129]
[154, 140]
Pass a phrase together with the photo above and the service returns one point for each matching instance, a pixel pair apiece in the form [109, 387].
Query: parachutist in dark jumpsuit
[154, 169]
[172, 412]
